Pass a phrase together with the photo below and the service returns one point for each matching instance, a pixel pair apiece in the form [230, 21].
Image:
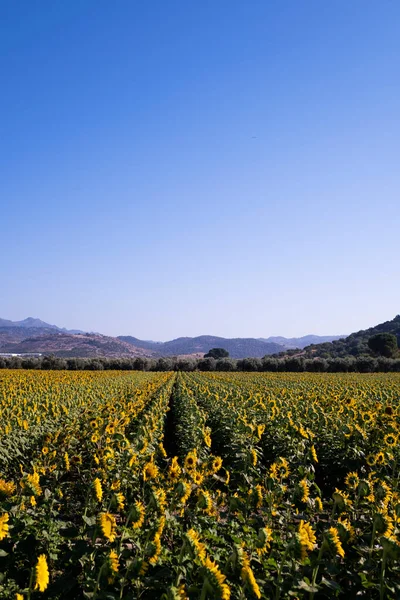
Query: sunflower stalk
[382, 576]
[279, 576]
[315, 572]
[31, 583]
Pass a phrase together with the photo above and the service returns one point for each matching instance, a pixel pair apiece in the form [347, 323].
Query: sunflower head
[191, 460]
[390, 439]
[352, 480]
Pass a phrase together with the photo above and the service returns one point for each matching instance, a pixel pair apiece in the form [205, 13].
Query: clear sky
[223, 167]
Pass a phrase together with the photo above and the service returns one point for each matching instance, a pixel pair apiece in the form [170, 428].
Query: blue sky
[222, 167]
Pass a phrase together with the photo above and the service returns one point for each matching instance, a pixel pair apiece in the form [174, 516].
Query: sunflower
[318, 504]
[191, 460]
[32, 483]
[248, 576]
[150, 471]
[113, 560]
[334, 541]
[217, 579]
[155, 549]
[380, 458]
[352, 480]
[162, 450]
[257, 495]
[207, 440]
[42, 574]
[264, 540]
[306, 538]
[216, 464]
[132, 460]
[341, 498]
[108, 525]
[184, 490]
[138, 515]
[3, 526]
[7, 488]
[283, 468]
[205, 502]
[98, 490]
[346, 529]
[174, 473]
[371, 460]
[348, 431]
[390, 439]
[120, 498]
[197, 478]
[260, 430]
[159, 499]
[367, 417]
[197, 547]
[273, 471]
[66, 461]
[314, 454]
[305, 494]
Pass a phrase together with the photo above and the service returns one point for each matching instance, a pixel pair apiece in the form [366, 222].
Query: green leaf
[307, 587]
[332, 585]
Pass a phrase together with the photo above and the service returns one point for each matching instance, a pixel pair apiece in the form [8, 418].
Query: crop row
[199, 486]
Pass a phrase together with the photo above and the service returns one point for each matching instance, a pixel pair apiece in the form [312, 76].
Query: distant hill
[32, 323]
[237, 347]
[145, 344]
[33, 335]
[302, 342]
[355, 344]
[72, 345]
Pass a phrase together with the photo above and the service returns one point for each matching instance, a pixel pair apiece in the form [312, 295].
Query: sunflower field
[136, 485]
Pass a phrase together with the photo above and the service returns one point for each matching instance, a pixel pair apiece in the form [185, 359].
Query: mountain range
[33, 335]
[32, 323]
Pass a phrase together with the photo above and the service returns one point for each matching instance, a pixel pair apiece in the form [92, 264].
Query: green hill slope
[355, 344]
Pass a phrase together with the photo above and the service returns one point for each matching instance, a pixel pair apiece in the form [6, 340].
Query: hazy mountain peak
[35, 323]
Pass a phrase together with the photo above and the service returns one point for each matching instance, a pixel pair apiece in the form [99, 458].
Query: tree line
[295, 364]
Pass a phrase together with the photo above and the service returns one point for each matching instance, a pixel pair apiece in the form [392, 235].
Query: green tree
[217, 353]
[225, 364]
[206, 364]
[384, 344]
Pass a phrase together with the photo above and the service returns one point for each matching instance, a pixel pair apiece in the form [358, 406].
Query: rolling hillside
[355, 344]
[301, 342]
[237, 347]
[72, 345]
[33, 335]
